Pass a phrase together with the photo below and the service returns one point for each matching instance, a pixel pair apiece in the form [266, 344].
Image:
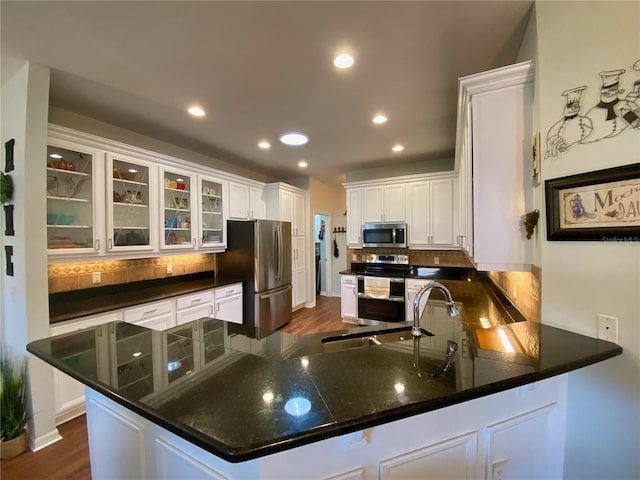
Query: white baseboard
[45, 440]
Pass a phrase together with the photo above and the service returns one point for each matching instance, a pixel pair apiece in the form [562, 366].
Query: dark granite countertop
[90, 301]
[227, 387]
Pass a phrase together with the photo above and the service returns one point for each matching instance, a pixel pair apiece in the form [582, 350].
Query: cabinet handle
[109, 244]
[218, 307]
[197, 300]
[150, 311]
[210, 309]
[194, 242]
[252, 215]
[97, 244]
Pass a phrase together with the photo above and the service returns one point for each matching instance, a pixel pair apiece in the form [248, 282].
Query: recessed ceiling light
[379, 119]
[55, 155]
[302, 164]
[264, 145]
[294, 139]
[196, 111]
[397, 148]
[344, 60]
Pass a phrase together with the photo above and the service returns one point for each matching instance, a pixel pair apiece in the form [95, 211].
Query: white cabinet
[494, 161]
[155, 315]
[228, 303]
[430, 213]
[383, 203]
[246, 201]
[194, 306]
[131, 204]
[68, 393]
[288, 203]
[349, 297]
[212, 227]
[178, 204]
[75, 193]
[354, 217]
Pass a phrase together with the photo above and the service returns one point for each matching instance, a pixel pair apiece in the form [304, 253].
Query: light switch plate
[608, 328]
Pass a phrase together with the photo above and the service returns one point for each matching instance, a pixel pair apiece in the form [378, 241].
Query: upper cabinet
[493, 158]
[354, 217]
[246, 201]
[430, 213]
[105, 198]
[75, 179]
[384, 203]
[130, 197]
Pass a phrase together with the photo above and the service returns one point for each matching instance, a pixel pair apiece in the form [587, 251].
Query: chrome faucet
[426, 290]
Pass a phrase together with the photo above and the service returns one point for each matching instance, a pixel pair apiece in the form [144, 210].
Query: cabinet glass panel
[180, 358]
[212, 221]
[177, 209]
[134, 367]
[130, 204]
[69, 199]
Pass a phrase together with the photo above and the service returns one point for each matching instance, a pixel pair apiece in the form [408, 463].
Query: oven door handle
[391, 279]
[389, 299]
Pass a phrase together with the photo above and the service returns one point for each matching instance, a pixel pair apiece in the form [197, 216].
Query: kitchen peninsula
[211, 399]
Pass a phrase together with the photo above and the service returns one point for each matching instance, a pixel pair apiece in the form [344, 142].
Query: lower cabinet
[349, 297]
[517, 433]
[154, 315]
[195, 306]
[228, 303]
[68, 393]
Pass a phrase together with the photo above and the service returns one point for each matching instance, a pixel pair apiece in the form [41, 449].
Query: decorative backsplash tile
[64, 277]
[523, 289]
[423, 258]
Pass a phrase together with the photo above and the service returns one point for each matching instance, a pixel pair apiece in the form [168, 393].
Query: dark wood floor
[68, 459]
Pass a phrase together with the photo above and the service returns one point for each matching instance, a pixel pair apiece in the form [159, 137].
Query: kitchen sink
[368, 338]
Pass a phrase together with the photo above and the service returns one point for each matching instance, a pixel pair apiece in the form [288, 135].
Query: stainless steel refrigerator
[259, 253]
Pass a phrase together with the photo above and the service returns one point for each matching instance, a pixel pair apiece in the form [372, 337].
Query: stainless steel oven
[381, 287]
[392, 235]
[384, 304]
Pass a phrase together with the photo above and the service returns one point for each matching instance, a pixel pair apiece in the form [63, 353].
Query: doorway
[321, 238]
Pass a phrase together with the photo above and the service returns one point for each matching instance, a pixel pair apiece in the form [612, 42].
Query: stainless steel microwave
[384, 235]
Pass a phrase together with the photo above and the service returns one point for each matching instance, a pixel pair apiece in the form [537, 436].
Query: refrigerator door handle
[276, 241]
[275, 292]
[280, 253]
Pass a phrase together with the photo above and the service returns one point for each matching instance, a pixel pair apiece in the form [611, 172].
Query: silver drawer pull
[196, 301]
[150, 311]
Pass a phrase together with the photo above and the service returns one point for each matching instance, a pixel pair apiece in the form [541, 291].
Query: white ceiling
[262, 68]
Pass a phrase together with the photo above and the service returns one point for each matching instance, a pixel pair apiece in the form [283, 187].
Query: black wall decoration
[614, 114]
[8, 152]
[8, 255]
[8, 220]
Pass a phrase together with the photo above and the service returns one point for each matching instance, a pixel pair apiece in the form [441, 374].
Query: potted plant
[14, 407]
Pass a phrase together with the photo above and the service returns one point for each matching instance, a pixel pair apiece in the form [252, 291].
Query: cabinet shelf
[129, 204]
[129, 182]
[167, 189]
[211, 213]
[173, 209]
[137, 380]
[68, 172]
[115, 227]
[211, 229]
[69, 226]
[204, 195]
[67, 199]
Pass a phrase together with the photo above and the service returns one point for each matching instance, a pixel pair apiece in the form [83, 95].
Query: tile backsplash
[424, 258]
[64, 277]
[523, 289]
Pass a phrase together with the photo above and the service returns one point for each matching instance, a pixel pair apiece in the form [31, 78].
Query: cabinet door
[299, 286]
[229, 309]
[297, 253]
[238, 201]
[372, 204]
[131, 192]
[441, 212]
[393, 203]
[297, 228]
[212, 227]
[69, 393]
[156, 315]
[286, 208]
[257, 204]
[354, 217]
[194, 313]
[418, 209]
[178, 204]
[349, 297]
[74, 196]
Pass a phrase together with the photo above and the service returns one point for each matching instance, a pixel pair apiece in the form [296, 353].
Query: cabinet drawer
[235, 289]
[200, 298]
[148, 310]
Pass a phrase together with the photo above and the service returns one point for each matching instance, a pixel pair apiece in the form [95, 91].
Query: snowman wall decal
[612, 115]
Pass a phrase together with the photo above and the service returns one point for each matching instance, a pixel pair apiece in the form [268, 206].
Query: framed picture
[603, 205]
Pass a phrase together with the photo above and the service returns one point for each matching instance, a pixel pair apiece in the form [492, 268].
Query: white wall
[576, 41]
[25, 305]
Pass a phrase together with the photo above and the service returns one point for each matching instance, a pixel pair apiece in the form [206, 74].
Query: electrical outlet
[97, 277]
[499, 470]
[169, 268]
[608, 328]
[436, 260]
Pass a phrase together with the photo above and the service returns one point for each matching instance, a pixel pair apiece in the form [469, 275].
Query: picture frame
[603, 205]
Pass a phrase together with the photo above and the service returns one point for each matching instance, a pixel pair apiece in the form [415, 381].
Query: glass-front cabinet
[212, 228]
[178, 204]
[129, 218]
[72, 178]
